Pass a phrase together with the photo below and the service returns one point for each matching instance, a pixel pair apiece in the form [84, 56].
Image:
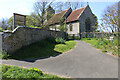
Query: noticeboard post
[19, 20]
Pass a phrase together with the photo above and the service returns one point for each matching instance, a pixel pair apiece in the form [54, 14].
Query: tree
[3, 23]
[110, 18]
[10, 23]
[109, 23]
[96, 23]
[40, 10]
[74, 5]
[29, 21]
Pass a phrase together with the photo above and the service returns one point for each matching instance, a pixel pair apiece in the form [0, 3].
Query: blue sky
[8, 7]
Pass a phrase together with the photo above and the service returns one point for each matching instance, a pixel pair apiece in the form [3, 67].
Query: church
[77, 21]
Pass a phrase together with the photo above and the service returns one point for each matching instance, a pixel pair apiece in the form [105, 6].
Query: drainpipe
[65, 28]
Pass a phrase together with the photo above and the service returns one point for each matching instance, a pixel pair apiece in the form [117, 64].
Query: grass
[105, 45]
[42, 49]
[2, 30]
[65, 47]
[31, 74]
[92, 41]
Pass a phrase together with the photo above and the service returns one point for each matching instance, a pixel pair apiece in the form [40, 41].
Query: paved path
[82, 62]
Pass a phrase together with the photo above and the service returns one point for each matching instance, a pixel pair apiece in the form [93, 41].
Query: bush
[88, 38]
[17, 72]
[60, 41]
[77, 38]
[104, 50]
[51, 39]
[5, 55]
[1, 30]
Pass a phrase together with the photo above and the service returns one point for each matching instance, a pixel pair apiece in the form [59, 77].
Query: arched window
[87, 24]
[71, 27]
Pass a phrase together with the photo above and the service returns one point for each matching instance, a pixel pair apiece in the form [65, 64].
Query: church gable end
[87, 21]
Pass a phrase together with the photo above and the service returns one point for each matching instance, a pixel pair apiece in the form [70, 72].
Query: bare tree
[110, 24]
[110, 18]
[74, 5]
[60, 6]
[3, 23]
[39, 10]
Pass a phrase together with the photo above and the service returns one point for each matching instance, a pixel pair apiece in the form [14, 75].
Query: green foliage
[5, 55]
[104, 50]
[2, 30]
[51, 40]
[74, 37]
[17, 73]
[30, 22]
[103, 44]
[65, 47]
[35, 26]
[60, 40]
[61, 27]
[77, 38]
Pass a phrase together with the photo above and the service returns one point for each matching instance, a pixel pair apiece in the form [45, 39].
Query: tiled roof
[56, 18]
[75, 14]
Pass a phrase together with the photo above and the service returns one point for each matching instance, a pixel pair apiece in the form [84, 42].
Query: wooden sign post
[19, 20]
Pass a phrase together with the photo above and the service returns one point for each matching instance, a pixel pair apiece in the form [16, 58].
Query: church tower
[49, 13]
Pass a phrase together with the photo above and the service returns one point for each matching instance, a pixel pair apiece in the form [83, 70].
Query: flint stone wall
[23, 36]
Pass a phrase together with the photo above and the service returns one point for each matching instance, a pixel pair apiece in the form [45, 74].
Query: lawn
[42, 49]
[105, 45]
[92, 41]
[22, 73]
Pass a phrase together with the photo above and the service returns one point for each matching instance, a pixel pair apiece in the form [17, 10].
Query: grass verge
[105, 45]
[14, 72]
[42, 49]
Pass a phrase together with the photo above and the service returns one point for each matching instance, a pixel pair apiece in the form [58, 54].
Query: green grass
[42, 49]
[105, 45]
[92, 41]
[31, 73]
[2, 29]
[65, 47]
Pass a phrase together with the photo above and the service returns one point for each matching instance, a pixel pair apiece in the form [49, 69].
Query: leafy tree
[10, 23]
[29, 21]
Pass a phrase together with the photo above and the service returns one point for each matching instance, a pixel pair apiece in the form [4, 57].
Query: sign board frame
[19, 18]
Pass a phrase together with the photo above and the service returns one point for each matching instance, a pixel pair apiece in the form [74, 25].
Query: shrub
[60, 41]
[5, 55]
[17, 72]
[77, 38]
[36, 70]
[88, 38]
[1, 30]
[51, 39]
[104, 50]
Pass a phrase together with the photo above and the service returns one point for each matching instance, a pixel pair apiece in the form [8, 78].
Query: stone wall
[23, 36]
